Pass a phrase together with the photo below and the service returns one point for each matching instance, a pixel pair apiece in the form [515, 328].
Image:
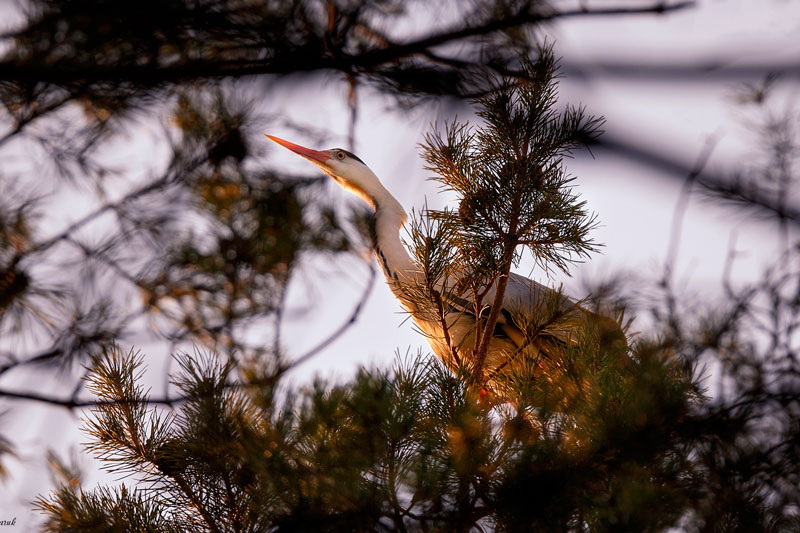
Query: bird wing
[534, 319]
[522, 295]
[525, 295]
[551, 314]
[523, 301]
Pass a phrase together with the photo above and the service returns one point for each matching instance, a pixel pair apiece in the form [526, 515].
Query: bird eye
[340, 155]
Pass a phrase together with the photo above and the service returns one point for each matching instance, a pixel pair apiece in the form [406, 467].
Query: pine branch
[532, 334]
[437, 298]
[487, 330]
[186, 488]
[513, 190]
[520, 19]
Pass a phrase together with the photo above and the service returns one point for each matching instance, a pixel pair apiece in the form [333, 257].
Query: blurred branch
[683, 201]
[708, 70]
[168, 178]
[341, 329]
[74, 403]
[57, 354]
[36, 113]
[718, 183]
[149, 74]
[751, 197]
[374, 57]
[40, 358]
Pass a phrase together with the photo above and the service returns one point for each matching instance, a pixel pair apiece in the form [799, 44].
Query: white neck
[392, 256]
[390, 216]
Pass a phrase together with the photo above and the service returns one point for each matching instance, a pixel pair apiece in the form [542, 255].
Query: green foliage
[513, 194]
[509, 177]
[403, 450]
[104, 510]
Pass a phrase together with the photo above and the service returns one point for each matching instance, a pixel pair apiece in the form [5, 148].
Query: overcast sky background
[634, 203]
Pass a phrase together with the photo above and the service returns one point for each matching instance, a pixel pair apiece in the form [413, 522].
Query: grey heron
[510, 338]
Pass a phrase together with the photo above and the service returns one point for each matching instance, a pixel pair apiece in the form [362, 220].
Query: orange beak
[308, 153]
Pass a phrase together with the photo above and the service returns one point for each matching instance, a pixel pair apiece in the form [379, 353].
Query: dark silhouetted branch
[718, 183]
[74, 403]
[383, 55]
[297, 61]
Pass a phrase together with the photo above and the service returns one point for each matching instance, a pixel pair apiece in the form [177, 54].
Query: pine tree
[603, 437]
[587, 442]
[513, 194]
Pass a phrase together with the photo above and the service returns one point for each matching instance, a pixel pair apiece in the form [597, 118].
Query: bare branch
[683, 200]
[340, 330]
[717, 183]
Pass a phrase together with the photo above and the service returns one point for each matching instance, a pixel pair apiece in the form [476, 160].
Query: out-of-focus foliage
[116, 57]
[748, 344]
[407, 450]
[208, 245]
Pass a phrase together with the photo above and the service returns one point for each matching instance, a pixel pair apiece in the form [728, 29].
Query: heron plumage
[534, 320]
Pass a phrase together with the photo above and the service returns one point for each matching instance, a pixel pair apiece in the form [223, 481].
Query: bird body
[510, 343]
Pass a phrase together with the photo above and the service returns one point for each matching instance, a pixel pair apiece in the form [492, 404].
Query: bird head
[345, 168]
